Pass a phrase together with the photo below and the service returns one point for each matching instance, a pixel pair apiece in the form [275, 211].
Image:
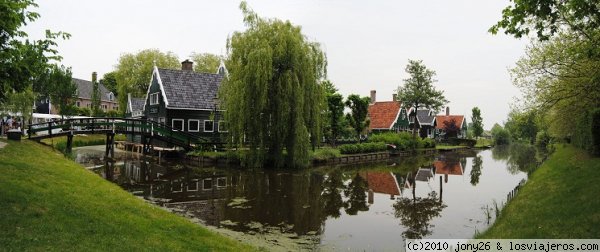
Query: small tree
[477, 122]
[418, 91]
[63, 90]
[451, 128]
[22, 103]
[335, 105]
[359, 107]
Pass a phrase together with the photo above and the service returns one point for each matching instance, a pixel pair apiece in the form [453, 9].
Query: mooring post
[441, 189]
[70, 142]
[110, 145]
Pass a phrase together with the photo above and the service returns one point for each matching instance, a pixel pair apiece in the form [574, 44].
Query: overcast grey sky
[368, 43]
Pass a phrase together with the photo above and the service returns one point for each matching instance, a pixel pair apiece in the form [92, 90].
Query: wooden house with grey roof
[186, 100]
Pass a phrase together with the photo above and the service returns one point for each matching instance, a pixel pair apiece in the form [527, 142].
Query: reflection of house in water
[422, 174]
[446, 168]
[382, 182]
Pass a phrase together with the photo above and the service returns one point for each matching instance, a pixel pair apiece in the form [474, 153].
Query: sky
[367, 43]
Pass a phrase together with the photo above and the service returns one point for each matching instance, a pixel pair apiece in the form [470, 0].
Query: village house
[460, 124]
[387, 116]
[425, 120]
[186, 100]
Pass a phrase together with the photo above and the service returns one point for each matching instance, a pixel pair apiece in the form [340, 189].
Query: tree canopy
[359, 109]
[418, 90]
[272, 96]
[477, 122]
[206, 62]
[63, 90]
[134, 70]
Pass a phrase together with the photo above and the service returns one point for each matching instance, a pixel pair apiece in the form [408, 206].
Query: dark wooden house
[425, 120]
[186, 100]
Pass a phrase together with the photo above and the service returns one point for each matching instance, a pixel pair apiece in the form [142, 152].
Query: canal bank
[559, 201]
[51, 203]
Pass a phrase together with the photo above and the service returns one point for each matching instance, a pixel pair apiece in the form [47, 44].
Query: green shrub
[501, 137]
[325, 153]
[403, 140]
[542, 138]
[586, 134]
[596, 132]
[428, 143]
[362, 148]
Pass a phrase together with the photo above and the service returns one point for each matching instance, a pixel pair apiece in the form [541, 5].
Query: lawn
[560, 201]
[51, 203]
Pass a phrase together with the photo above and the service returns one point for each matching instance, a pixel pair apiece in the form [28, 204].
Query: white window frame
[211, 184]
[182, 124]
[195, 181]
[222, 179]
[155, 100]
[190, 128]
[219, 126]
[213, 125]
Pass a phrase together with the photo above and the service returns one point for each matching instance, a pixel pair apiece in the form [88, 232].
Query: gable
[441, 119]
[383, 115]
[187, 89]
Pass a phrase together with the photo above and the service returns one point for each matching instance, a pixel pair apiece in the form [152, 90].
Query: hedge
[362, 148]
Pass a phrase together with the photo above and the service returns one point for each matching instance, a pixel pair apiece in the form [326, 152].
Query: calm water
[362, 207]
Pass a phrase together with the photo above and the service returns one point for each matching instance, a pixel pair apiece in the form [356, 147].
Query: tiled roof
[383, 114]
[450, 168]
[440, 119]
[85, 89]
[425, 116]
[188, 89]
[382, 182]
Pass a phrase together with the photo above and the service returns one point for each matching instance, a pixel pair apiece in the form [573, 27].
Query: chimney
[187, 65]
[94, 77]
[395, 97]
[447, 111]
[373, 96]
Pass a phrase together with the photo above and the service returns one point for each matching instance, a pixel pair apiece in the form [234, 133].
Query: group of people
[9, 123]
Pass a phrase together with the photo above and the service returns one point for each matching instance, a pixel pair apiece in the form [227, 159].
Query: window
[176, 186]
[222, 126]
[161, 120]
[78, 104]
[177, 124]
[110, 96]
[209, 126]
[104, 107]
[193, 125]
[154, 99]
[193, 186]
[221, 182]
[207, 184]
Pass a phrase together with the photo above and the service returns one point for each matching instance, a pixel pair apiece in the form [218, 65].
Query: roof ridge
[187, 71]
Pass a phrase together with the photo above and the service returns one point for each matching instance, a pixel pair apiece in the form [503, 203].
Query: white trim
[160, 85]
[182, 124]
[219, 179]
[396, 119]
[157, 100]
[211, 184]
[198, 125]
[204, 125]
[219, 126]
[195, 181]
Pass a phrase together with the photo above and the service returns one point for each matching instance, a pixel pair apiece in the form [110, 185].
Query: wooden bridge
[148, 130]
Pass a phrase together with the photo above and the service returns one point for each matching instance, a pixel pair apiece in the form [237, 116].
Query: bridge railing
[114, 125]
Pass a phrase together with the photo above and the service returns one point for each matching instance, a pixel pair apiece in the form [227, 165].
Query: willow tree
[272, 95]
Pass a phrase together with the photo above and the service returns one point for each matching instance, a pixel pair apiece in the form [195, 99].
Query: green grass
[449, 147]
[560, 200]
[60, 143]
[484, 143]
[51, 203]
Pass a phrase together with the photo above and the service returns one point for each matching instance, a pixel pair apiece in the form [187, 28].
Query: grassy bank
[560, 200]
[51, 203]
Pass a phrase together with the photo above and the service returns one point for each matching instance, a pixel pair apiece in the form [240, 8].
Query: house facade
[186, 100]
[459, 121]
[85, 90]
[425, 121]
[387, 116]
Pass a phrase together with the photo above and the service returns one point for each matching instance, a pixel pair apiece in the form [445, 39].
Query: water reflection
[376, 204]
[519, 157]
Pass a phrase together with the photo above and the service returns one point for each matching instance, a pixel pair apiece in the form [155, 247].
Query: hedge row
[362, 148]
[586, 134]
[403, 140]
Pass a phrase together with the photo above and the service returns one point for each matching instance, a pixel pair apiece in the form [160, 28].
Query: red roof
[382, 182]
[383, 114]
[440, 119]
[450, 168]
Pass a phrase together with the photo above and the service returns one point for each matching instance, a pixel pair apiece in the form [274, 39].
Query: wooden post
[70, 142]
[110, 145]
[441, 189]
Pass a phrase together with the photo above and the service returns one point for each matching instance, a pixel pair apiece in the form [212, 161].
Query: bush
[542, 138]
[362, 148]
[325, 153]
[502, 136]
[403, 140]
[428, 143]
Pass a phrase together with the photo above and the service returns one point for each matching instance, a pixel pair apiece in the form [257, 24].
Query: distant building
[425, 120]
[108, 100]
[386, 116]
[442, 120]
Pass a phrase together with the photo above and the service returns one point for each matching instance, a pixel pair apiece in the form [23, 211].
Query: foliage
[113, 113]
[335, 112]
[206, 62]
[549, 17]
[416, 213]
[273, 94]
[362, 148]
[20, 103]
[355, 192]
[418, 90]
[323, 154]
[450, 128]
[586, 134]
[23, 62]
[329, 87]
[134, 71]
[476, 122]
[62, 89]
[82, 111]
[96, 96]
[500, 135]
[65, 203]
[109, 80]
[476, 170]
[542, 138]
[359, 108]
[565, 187]
[403, 141]
[428, 143]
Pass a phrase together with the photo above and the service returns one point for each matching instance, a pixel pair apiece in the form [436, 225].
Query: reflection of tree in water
[331, 196]
[476, 170]
[355, 192]
[519, 157]
[416, 213]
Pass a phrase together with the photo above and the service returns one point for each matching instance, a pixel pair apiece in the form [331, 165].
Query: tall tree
[418, 90]
[272, 97]
[96, 98]
[206, 62]
[109, 80]
[63, 90]
[335, 105]
[134, 71]
[477, 122]
[359, 108]
[23, 62]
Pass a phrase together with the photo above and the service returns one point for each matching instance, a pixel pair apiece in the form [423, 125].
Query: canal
[362, 207]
